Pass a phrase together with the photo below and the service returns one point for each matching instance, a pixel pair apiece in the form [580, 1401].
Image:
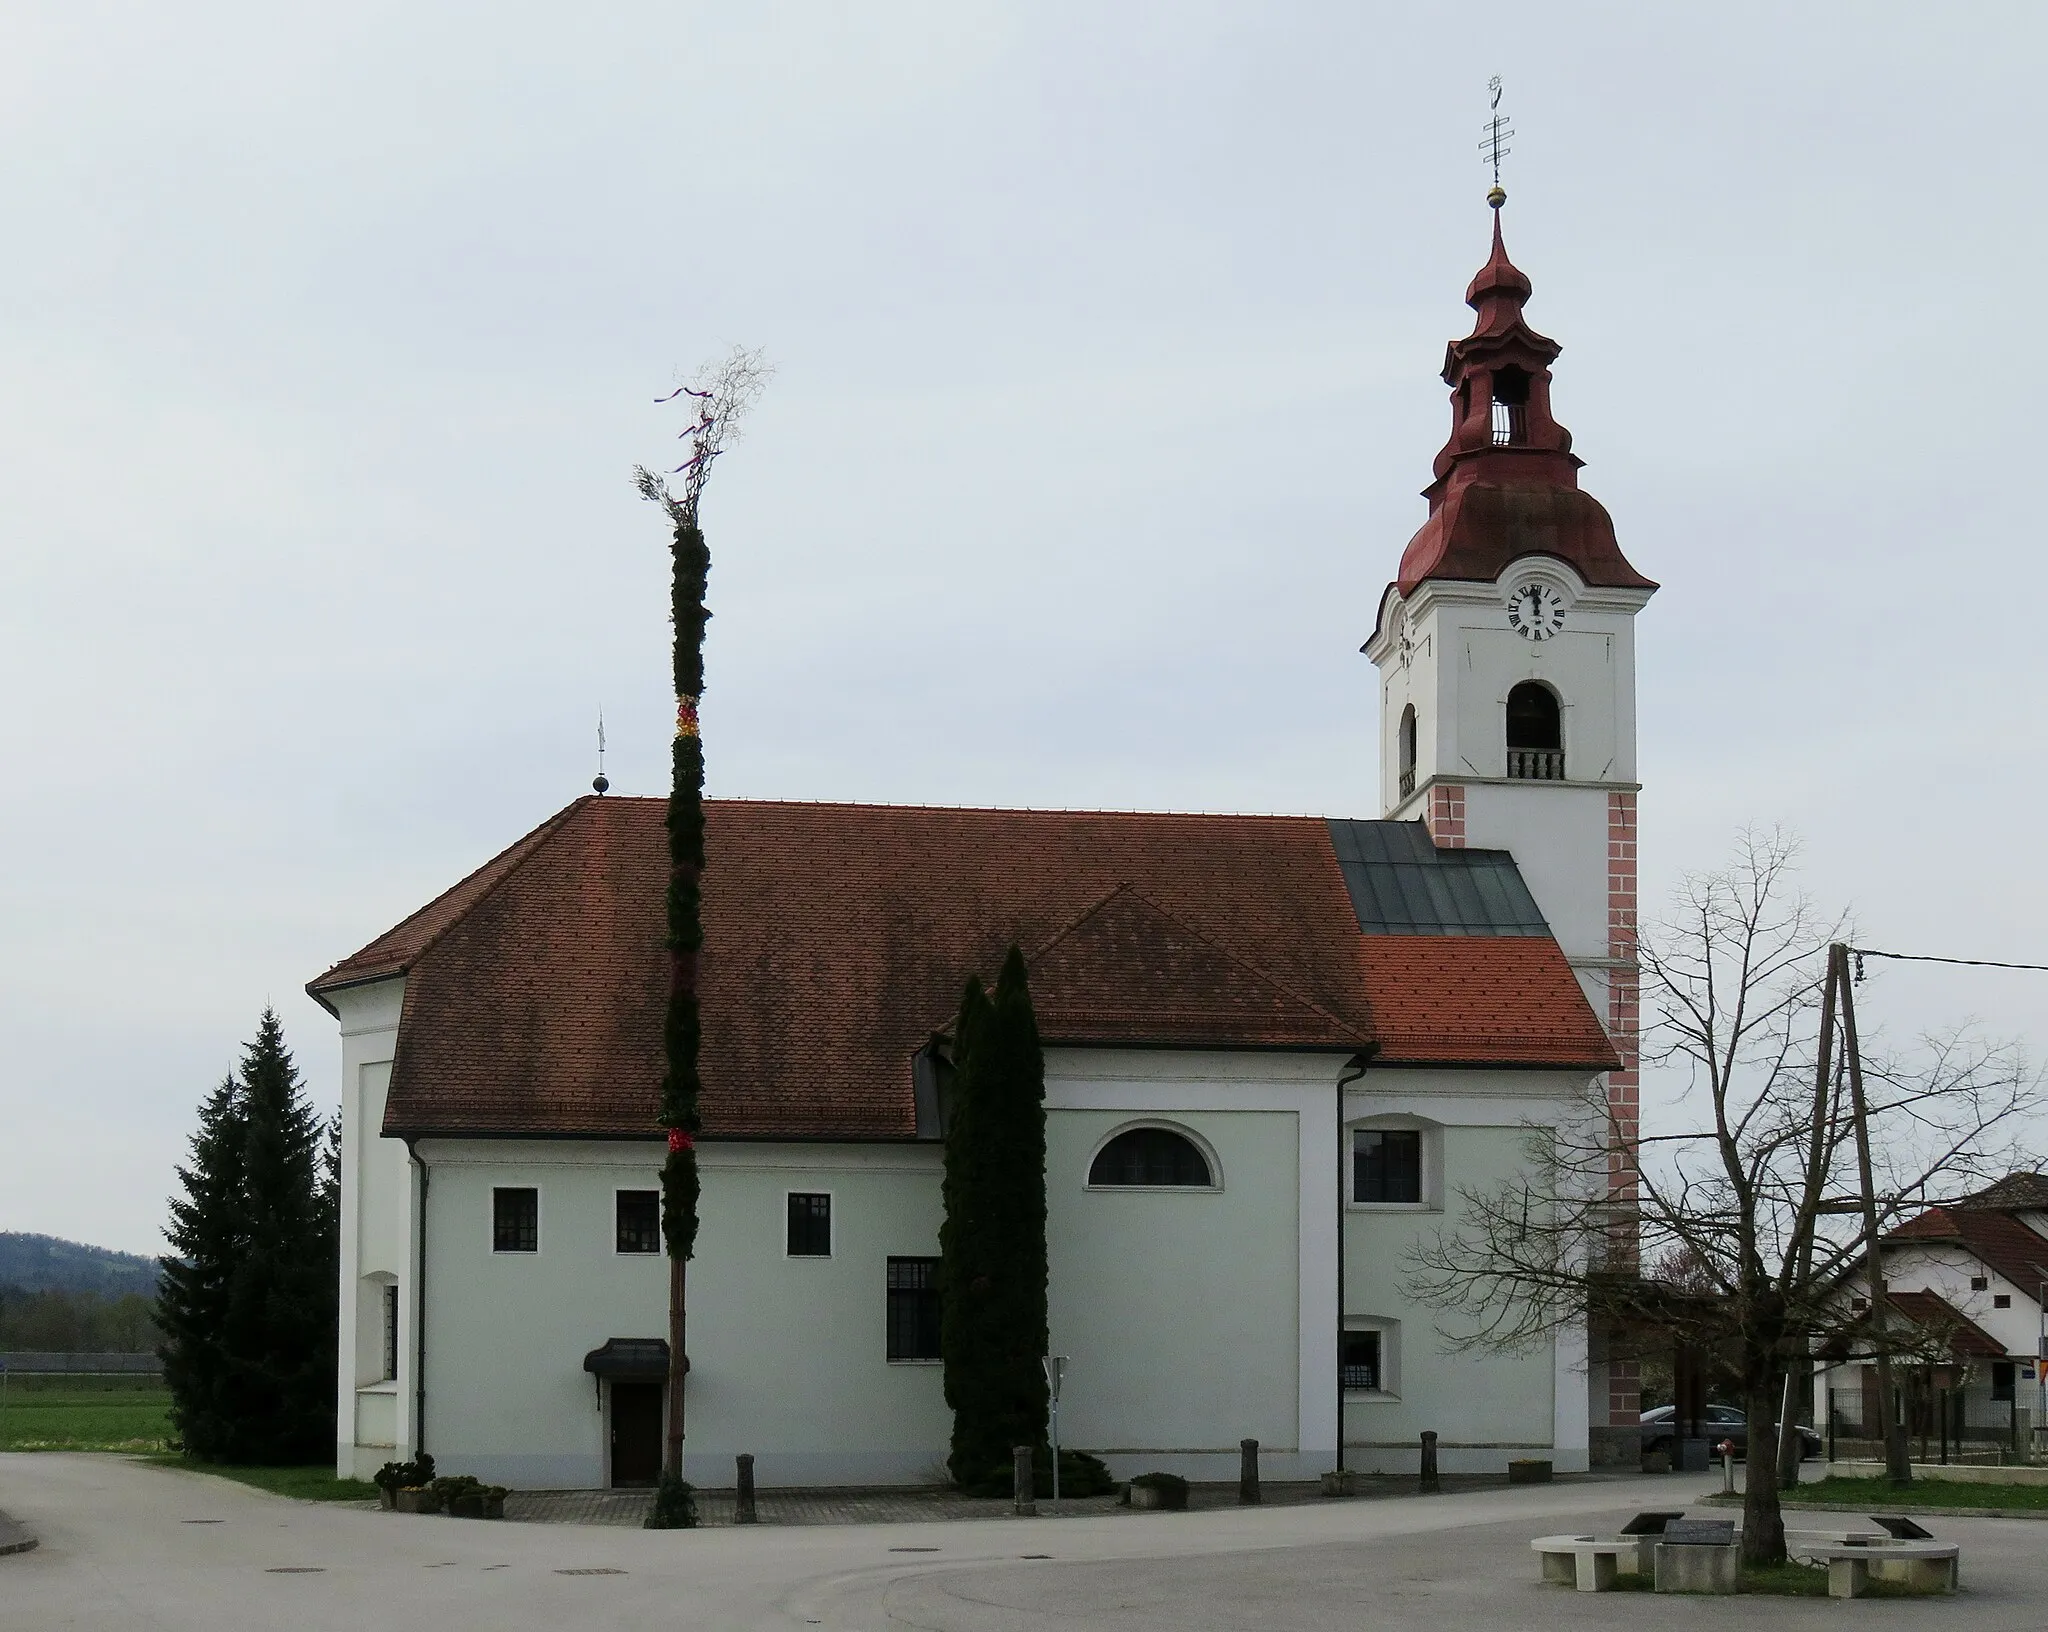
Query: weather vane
[600, 782]
[1495, 147]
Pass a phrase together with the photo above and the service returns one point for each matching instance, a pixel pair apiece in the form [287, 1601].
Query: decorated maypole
[721, 395]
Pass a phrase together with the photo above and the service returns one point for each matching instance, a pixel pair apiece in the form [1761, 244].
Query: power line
[1926, 957]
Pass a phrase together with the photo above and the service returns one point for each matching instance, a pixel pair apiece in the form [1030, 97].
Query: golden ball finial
[1496, 195]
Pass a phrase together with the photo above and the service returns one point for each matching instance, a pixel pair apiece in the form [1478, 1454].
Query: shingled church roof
[837, 938]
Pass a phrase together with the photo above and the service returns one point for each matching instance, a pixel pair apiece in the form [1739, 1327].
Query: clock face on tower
[1535, 611]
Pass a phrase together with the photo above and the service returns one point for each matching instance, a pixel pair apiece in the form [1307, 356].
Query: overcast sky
[1107, 340]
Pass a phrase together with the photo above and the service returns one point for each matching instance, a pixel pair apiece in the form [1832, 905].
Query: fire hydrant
[1727, 1450]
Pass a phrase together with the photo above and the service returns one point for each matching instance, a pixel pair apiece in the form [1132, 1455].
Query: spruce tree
[247, 1304]
[992, 1267]
[280, 1329]
[207, 1234]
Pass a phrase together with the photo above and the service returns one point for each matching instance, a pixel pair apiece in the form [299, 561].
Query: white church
[1276, 1050]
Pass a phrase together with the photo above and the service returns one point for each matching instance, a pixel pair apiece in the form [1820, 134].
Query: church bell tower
[1506, 656]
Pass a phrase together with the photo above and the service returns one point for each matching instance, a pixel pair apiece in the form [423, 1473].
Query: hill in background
[48, 1263]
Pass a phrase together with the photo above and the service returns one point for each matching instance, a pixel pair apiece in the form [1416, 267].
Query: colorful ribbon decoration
[686, 716]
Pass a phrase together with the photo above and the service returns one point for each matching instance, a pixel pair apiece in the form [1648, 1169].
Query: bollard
[743, 1502]
[1727, 1449]
[1429, 1484]
[1026, 1493]
[1247, 1473]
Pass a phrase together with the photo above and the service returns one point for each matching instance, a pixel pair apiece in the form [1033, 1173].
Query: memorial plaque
[1649, 1524]
[1901, 1529]
[1699, 1532]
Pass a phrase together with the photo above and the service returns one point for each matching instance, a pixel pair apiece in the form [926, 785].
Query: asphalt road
[129, 1546]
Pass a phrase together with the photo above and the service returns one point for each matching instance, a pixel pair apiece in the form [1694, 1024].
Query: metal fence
[1964, 1425]
[45, 1363]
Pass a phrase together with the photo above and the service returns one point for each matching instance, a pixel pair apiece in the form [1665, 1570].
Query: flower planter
[1343, 1482]
[494, 1506]
[469, 1505]
[1168, 1495]
[387, 1498]
[419, 1499]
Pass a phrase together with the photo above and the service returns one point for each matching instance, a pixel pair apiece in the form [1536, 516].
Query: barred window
[810, 1225]
[913, 1309]
[390, 1301]
[1386, 1165]
[515, 1220]
[639, 1221]
[1358, 1360]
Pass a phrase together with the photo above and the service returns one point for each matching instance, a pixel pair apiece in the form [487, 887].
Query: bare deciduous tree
[1749, 1201]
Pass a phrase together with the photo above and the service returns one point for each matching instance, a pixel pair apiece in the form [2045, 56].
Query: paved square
[130, 1546]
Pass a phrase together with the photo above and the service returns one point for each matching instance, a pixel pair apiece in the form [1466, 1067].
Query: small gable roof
[1997, 1240]
[1934, 1314]
[837, 938]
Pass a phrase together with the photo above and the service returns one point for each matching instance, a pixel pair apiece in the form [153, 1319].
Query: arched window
[1151, 1156]
[1535, 733]
[1407, 750]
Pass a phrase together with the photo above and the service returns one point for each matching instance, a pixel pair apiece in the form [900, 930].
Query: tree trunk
[672, 1444]
[1763, 1522]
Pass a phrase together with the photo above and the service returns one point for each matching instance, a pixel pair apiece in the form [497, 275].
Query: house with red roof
[1969, 1282]
[1277, 1050]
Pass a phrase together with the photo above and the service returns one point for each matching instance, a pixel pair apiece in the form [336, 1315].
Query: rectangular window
[2002, 1372]
[515, 1220]
[1358, 1362]
[1980, 1283]
[390, 1302]
[913, 1309]
[1386, 1165]
[2001, 1300]
[638, 1218]
[810, 1225]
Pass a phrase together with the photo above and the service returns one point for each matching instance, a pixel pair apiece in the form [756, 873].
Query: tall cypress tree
[207, 1234]
[992, 1266]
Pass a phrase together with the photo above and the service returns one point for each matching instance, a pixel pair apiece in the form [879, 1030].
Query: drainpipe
[1354, 1068]
[419, 1320]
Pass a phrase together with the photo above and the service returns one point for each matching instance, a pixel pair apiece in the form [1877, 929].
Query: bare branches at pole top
[722, 393]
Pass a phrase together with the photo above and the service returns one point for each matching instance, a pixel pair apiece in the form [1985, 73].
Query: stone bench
[1924, 1566]
[1589, 1562]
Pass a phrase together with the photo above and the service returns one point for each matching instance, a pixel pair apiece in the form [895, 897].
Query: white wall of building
[1192, 1319]
[373, 1413]
[1486, 1408]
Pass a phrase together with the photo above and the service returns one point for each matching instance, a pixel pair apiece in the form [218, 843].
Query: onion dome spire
[1506, 481]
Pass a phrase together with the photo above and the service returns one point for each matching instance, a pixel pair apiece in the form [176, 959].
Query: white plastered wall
[1486, 1408]
[373, 1414]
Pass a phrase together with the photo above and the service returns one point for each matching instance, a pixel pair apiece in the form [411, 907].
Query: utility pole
[1897, 1464]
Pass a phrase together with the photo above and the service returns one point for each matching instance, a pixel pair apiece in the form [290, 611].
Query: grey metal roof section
[1402, 884]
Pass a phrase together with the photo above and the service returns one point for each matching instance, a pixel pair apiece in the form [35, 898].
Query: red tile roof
[837, 938]
[1997, 1240]
[1934, 1313]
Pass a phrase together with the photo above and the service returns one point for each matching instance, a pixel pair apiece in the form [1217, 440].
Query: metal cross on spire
[1495, 146]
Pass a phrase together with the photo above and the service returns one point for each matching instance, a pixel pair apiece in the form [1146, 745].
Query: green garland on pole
[729, 389]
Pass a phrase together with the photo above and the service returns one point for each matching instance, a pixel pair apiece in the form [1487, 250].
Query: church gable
[1131, 973]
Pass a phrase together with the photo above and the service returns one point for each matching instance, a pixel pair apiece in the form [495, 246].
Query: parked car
[1720, 1422]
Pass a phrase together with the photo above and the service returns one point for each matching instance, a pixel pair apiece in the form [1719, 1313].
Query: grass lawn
[1854, 1493]
[84, 1414]
[316, 1484]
